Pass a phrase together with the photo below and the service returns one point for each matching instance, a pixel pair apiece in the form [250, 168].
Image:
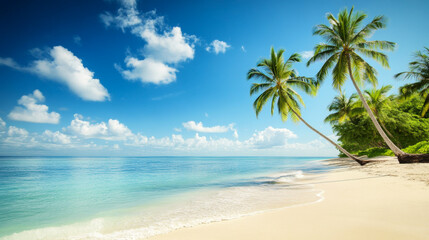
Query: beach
[382, 200]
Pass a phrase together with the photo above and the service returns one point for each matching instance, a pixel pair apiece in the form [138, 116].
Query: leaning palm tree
[343, 108]
[378, 100]
[345, 40]
[419, 70]
[277, 82]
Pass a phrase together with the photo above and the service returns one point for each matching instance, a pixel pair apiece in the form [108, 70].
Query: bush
[421, 147]
[374, 152]
[418, 148]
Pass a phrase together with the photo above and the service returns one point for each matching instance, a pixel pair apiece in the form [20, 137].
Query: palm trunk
[398, 152]
[387, 131]
[361, 162]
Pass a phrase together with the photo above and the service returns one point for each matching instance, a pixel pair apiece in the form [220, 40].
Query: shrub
[421, 147]
[418, 148]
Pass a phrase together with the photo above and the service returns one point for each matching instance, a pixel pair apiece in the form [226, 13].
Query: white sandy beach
[383, 200]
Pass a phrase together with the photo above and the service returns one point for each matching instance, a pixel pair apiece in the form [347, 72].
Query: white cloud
[307, 54]
[218, 46]
[127, 16]
[243, 49]
[198, 127]
[20, 141]
[2, 124]
[56, 137]
[271, 137]
[32, 111]
[169, 47]
[180, 144]
[17, 132]
[9, 62]
[164, 45]
[148, 71]
[235, 133]
[113, 130]
[90, 138]
[64, 67]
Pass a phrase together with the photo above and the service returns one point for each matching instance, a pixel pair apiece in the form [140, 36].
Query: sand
[382, 200]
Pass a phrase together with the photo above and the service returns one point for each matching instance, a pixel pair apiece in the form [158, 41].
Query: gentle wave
[199, 207]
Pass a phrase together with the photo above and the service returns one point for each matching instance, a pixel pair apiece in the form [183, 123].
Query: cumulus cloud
[178, 143]
[64, 67]
[198, 127]
[56, 137]
[31, 111]
[218, 46]
[127, 16]
[164, 46]
[170, 46]
[112, 130]
[83, 135]
[19, 140]
[307, 54]
[17, 132]
[148, 71]
[271, 137]
[2, 124]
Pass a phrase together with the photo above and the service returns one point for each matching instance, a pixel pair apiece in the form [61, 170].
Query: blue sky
[168, 77]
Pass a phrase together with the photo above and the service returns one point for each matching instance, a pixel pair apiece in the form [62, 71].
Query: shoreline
[383, 200]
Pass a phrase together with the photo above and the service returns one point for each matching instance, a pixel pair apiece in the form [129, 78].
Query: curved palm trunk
[361, 162]
[398, 152]
[387, 131]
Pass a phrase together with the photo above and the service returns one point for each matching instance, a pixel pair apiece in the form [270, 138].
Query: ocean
[138, 197]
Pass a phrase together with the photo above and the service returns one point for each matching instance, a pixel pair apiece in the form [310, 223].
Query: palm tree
[378, 100]
[419, 70]
[343, 108]
[345, 40]
[277, 82]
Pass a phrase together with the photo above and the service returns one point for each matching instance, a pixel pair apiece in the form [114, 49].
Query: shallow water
[137, 197]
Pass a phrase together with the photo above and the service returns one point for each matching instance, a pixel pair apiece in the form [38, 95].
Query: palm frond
[262, 100]
[377, 56]
[339, 73]
[377, 45]
[256, 87]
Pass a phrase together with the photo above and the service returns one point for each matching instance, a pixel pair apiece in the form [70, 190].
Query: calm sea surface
[137, 197]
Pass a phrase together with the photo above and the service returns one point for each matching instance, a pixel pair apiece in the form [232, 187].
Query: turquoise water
[108, 198]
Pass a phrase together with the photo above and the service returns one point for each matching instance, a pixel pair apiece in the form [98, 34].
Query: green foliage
[358, 134]
[418, 70]
[277, 82]
[412, 104]
[344, 109]
[346, 43]
[418, 148]
[421, 147]
[374, 152]
[401, 118]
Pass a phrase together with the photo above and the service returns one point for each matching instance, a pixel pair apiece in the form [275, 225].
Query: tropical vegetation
[345, 42]
[400, 117]
[277, 80]
[369, 122]
[419, 70]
